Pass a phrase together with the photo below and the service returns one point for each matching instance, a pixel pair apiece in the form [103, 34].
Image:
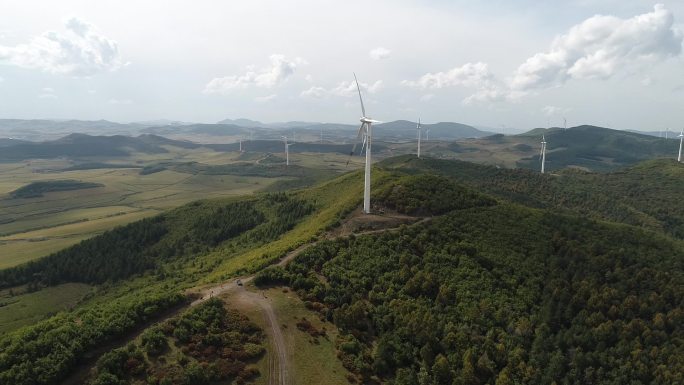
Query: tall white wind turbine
[418, 128]
[681, 141]
[543, 153]
[365, 133]
[287, 150]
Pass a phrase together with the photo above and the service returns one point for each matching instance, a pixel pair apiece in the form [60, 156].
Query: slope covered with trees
[647, 194]
[501, 295]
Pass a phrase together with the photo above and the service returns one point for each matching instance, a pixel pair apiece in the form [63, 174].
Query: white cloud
[92, 92]
[315, 92]
[80, 51]
[597, 48]
[1, 79]
[120, 101]
[308, 78]
[344, 88]
[264, 99]
[647, 81]
[554, 110]
[600, 47]
[280, 69]
[379, 53]
[470, 75]
[427, 97]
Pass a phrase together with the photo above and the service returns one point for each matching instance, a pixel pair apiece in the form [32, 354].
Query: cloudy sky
[527, 63]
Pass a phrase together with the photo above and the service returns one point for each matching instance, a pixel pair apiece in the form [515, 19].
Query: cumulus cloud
[379, 53]
[79, 51]
[344, 88]
[476, 76]
[599, 47]
[264, 99]
[279, 70]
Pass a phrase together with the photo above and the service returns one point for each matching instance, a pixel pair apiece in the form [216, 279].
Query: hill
[508, 277]
[406, 130]
[644, 195]
[598, 148]
[82, 145]
[37, 189]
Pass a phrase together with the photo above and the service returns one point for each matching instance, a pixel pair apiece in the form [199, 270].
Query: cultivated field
[34, 227]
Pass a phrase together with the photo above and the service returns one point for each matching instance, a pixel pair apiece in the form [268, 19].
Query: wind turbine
[287, 150]
[565, 124]
[427, 134]
[543, 153]
[418, 128]
[240, 144]
[365, 132]
[681, 140]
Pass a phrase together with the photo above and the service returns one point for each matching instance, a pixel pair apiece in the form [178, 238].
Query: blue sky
[491, 63]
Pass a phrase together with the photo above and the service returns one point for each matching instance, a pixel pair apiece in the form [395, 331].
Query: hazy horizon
[607, 63]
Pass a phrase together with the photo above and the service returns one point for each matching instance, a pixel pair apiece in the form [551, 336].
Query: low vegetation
[37, 189]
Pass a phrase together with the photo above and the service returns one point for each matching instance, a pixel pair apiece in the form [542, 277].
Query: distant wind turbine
[543, 153]
[418, 129]
[287, 150]
[565, 124]
[365, 133]
[240, 144]
[681, 140]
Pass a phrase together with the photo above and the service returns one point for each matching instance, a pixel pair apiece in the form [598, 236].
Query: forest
[500, 294]
[206, 344]
[645, 195]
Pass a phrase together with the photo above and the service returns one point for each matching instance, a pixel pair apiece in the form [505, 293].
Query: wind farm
[196, 196]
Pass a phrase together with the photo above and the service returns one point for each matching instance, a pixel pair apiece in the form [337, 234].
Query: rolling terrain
[514, 282]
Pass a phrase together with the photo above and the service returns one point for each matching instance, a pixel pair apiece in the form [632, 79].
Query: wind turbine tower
[240, 144]
[287, 150]
[543, 153]
[681, 141]
[418, 128]
[365, 132]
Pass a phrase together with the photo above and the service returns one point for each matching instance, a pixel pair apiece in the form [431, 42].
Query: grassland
[34, 227]
[17, 310]
[313, 360]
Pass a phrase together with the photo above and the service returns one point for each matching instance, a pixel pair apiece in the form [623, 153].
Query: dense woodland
[499, 295]
[646, 195]
[204, 345]
[490, 295]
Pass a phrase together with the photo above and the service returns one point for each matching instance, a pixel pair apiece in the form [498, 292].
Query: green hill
[646, 195]
[37, 189]
[597, 148]
[510, 277]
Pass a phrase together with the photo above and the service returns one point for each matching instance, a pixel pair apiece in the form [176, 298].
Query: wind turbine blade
[358, 138]
[363, 109]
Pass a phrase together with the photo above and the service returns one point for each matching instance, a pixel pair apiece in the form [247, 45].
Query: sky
[499, 64]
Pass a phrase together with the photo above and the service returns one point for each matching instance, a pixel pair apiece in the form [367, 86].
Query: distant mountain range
[399, 130]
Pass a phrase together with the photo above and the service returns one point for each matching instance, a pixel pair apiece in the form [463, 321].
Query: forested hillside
[500, 295]
[646, 195]
[142, 268]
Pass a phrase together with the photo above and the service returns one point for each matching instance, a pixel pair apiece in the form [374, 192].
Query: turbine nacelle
[368, 120]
